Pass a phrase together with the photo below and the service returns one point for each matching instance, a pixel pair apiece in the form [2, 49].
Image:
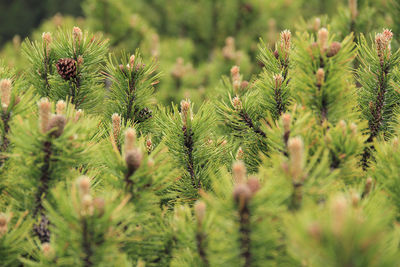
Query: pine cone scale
[66, 67]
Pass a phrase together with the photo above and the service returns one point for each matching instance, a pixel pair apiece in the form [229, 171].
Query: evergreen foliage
[292, 160]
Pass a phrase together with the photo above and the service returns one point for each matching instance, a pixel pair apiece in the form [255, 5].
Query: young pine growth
[243, 215]
[240, 112]
[46, 149]
[346, 231]
[191, 226]
[323, 78]
[87, 230]
[42, 59]
[15, 100]
[68, 67]
[385, 168]
[143, 177]
[273, 83]
[346, 144]
[13, 238]
[131, 91]
[378, 97]
[195, 151]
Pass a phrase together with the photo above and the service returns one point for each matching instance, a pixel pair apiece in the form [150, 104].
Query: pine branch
[201, 248]
[188, 143]
[5, 117]
[44, 178]
[86, 243]
[245, 232]
[248, 121]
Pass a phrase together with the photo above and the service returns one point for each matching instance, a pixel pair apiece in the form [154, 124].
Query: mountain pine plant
[87, 229]
[293, 160]
[67, 67]
[323, 79]
[142, 173]
[13, 237]
[46, 148]
[378, 95]
[194, 147]
[131, 90]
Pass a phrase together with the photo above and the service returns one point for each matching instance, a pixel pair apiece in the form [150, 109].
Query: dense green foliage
[280, 147]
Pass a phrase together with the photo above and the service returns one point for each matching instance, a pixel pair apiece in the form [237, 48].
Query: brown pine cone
[42, 230]
[66, 67]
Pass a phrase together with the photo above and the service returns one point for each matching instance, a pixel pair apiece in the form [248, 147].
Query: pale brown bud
[353, 9]
[48, 250]
[355, 199]
[47, 39]
[133, 159]
[150, 162]
[254, 184]
[228, 51]
[5, 90]
[235, 73]
[239, 171]
[317, 24]
[3, 224]
[343, 126]
[84, 185]
[285, 44]
[237, 103]
[323, 36]
[241, 194]
[353, 128]
[132, 61]
[395, 142]
[179, 69]
[116, 126]
[244, 85]
[382, 42]
[130, 139]
[240, 154]
[278, 80]
[185, 110]
[56, 125]
[320, 76]
[200, 211]
[286, 118]
[77, 34]
[60, 107]
[80, 60]
[44, 114]
[296, 151]
[87, 205]
[78, 114]
[314, 230]
[339, 208]
[334, 48]
[17, 100]
[16, 40]
[99, 204]
[122, 68]
[149, 145]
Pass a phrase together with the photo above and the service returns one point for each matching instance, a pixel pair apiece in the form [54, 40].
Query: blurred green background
[194, 41]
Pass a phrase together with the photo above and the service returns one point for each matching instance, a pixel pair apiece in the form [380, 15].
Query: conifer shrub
[297, 164]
